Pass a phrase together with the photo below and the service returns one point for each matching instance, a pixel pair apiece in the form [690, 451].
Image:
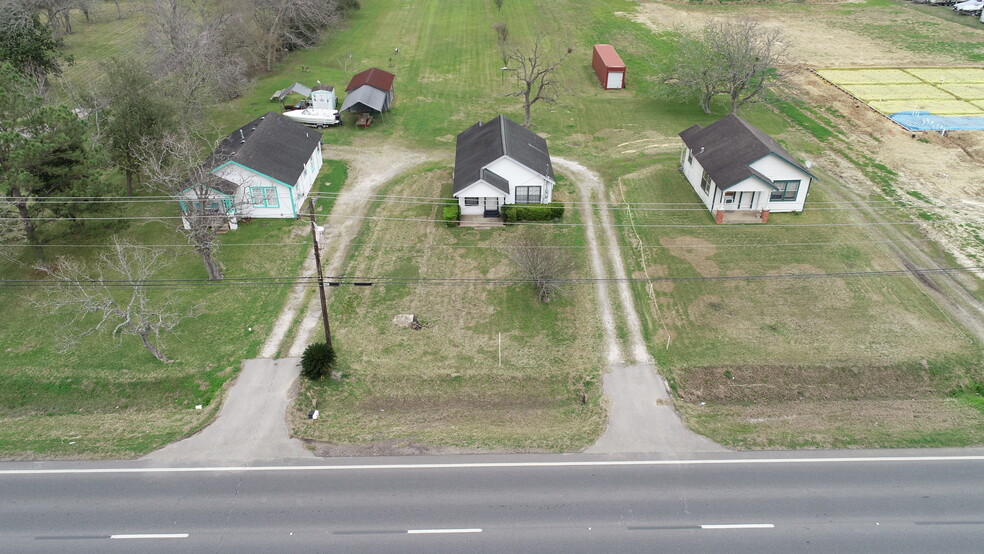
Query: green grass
[110, 395]
[444, 385]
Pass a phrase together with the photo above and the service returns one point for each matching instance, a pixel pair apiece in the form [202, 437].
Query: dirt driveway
[641, 418]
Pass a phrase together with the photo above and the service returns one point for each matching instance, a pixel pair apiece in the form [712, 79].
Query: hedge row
[452, 213]
[533, 212]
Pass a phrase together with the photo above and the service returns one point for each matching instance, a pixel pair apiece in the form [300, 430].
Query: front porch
[737, 217]
[480, 221]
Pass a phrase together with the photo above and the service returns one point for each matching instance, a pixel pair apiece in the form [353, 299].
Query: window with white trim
[264, 197]
[729, 197]
[787, 191]
[705, 183]
[471, 201]
[528, 195]
[690, 157]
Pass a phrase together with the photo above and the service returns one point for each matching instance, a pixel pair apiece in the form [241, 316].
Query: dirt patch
[697, 252]
[830, 41]
[771, 384]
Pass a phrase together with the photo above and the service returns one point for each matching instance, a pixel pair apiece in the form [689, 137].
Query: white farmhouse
[264, 169]
[740, 173]
[500, 162]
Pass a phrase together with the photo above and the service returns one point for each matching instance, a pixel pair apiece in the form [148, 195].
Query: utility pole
[321, 278]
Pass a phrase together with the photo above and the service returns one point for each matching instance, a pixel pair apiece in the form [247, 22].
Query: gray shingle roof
[726, 147]
[270, 144]
[483, 143]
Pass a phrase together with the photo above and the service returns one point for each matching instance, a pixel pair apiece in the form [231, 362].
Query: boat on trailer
[321, 113]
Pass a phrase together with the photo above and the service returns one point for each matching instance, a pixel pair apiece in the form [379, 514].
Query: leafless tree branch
[534, 69]
[112, 294]
[546, 267]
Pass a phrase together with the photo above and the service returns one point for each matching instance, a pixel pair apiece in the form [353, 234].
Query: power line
[635, 206]
[497, 246]
[536, 223]
[329, 195]
[370, 281]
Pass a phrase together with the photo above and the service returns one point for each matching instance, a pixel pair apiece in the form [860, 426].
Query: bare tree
[287, 25]
[752, 56]
[498, 4]
[114, 292]
[534, 69]
[542, 262]
[737, 58]
[172, 166]
[195, 51]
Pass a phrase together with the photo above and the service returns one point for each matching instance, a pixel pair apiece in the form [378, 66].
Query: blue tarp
[925, 121]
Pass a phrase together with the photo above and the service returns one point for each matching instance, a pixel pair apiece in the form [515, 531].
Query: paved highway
[727, 503]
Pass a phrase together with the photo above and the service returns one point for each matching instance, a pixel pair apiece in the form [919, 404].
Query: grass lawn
[444, 385]
[807, 362]
[864, 361]
[109, 398]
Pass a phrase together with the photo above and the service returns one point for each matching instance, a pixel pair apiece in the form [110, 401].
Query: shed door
[615, 79]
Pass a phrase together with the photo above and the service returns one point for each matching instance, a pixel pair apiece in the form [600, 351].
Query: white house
[500, 162]
[264, 169]
[739, 171]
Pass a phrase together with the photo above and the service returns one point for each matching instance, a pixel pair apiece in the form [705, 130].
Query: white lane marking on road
[152, 536]
[439, 531]
[494, 465]
[739, 526]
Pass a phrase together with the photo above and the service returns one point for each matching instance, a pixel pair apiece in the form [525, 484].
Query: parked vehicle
[969, 7]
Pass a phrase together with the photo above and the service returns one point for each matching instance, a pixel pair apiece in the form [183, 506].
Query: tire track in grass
[641, 414]
[369, 169]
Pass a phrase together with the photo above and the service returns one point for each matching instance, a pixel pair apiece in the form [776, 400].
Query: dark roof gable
[483, 143]
[270, 144]
[374, 77]
[726, 147]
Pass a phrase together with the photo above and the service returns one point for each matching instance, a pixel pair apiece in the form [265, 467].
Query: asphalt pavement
[760, 502]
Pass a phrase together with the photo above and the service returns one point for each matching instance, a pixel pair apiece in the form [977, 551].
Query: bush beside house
[532, 212]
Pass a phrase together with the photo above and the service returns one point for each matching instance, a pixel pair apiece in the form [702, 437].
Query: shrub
[452, 213]
[532, 212]
[317, 361]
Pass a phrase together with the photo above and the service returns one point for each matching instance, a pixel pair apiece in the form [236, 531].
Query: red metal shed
[609, 67]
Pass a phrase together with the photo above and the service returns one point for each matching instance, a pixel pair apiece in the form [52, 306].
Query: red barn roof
[376, 78]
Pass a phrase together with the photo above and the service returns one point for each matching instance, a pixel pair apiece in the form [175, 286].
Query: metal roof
[365, 99]
[374, 77]
[296, 87]
[609, 56]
